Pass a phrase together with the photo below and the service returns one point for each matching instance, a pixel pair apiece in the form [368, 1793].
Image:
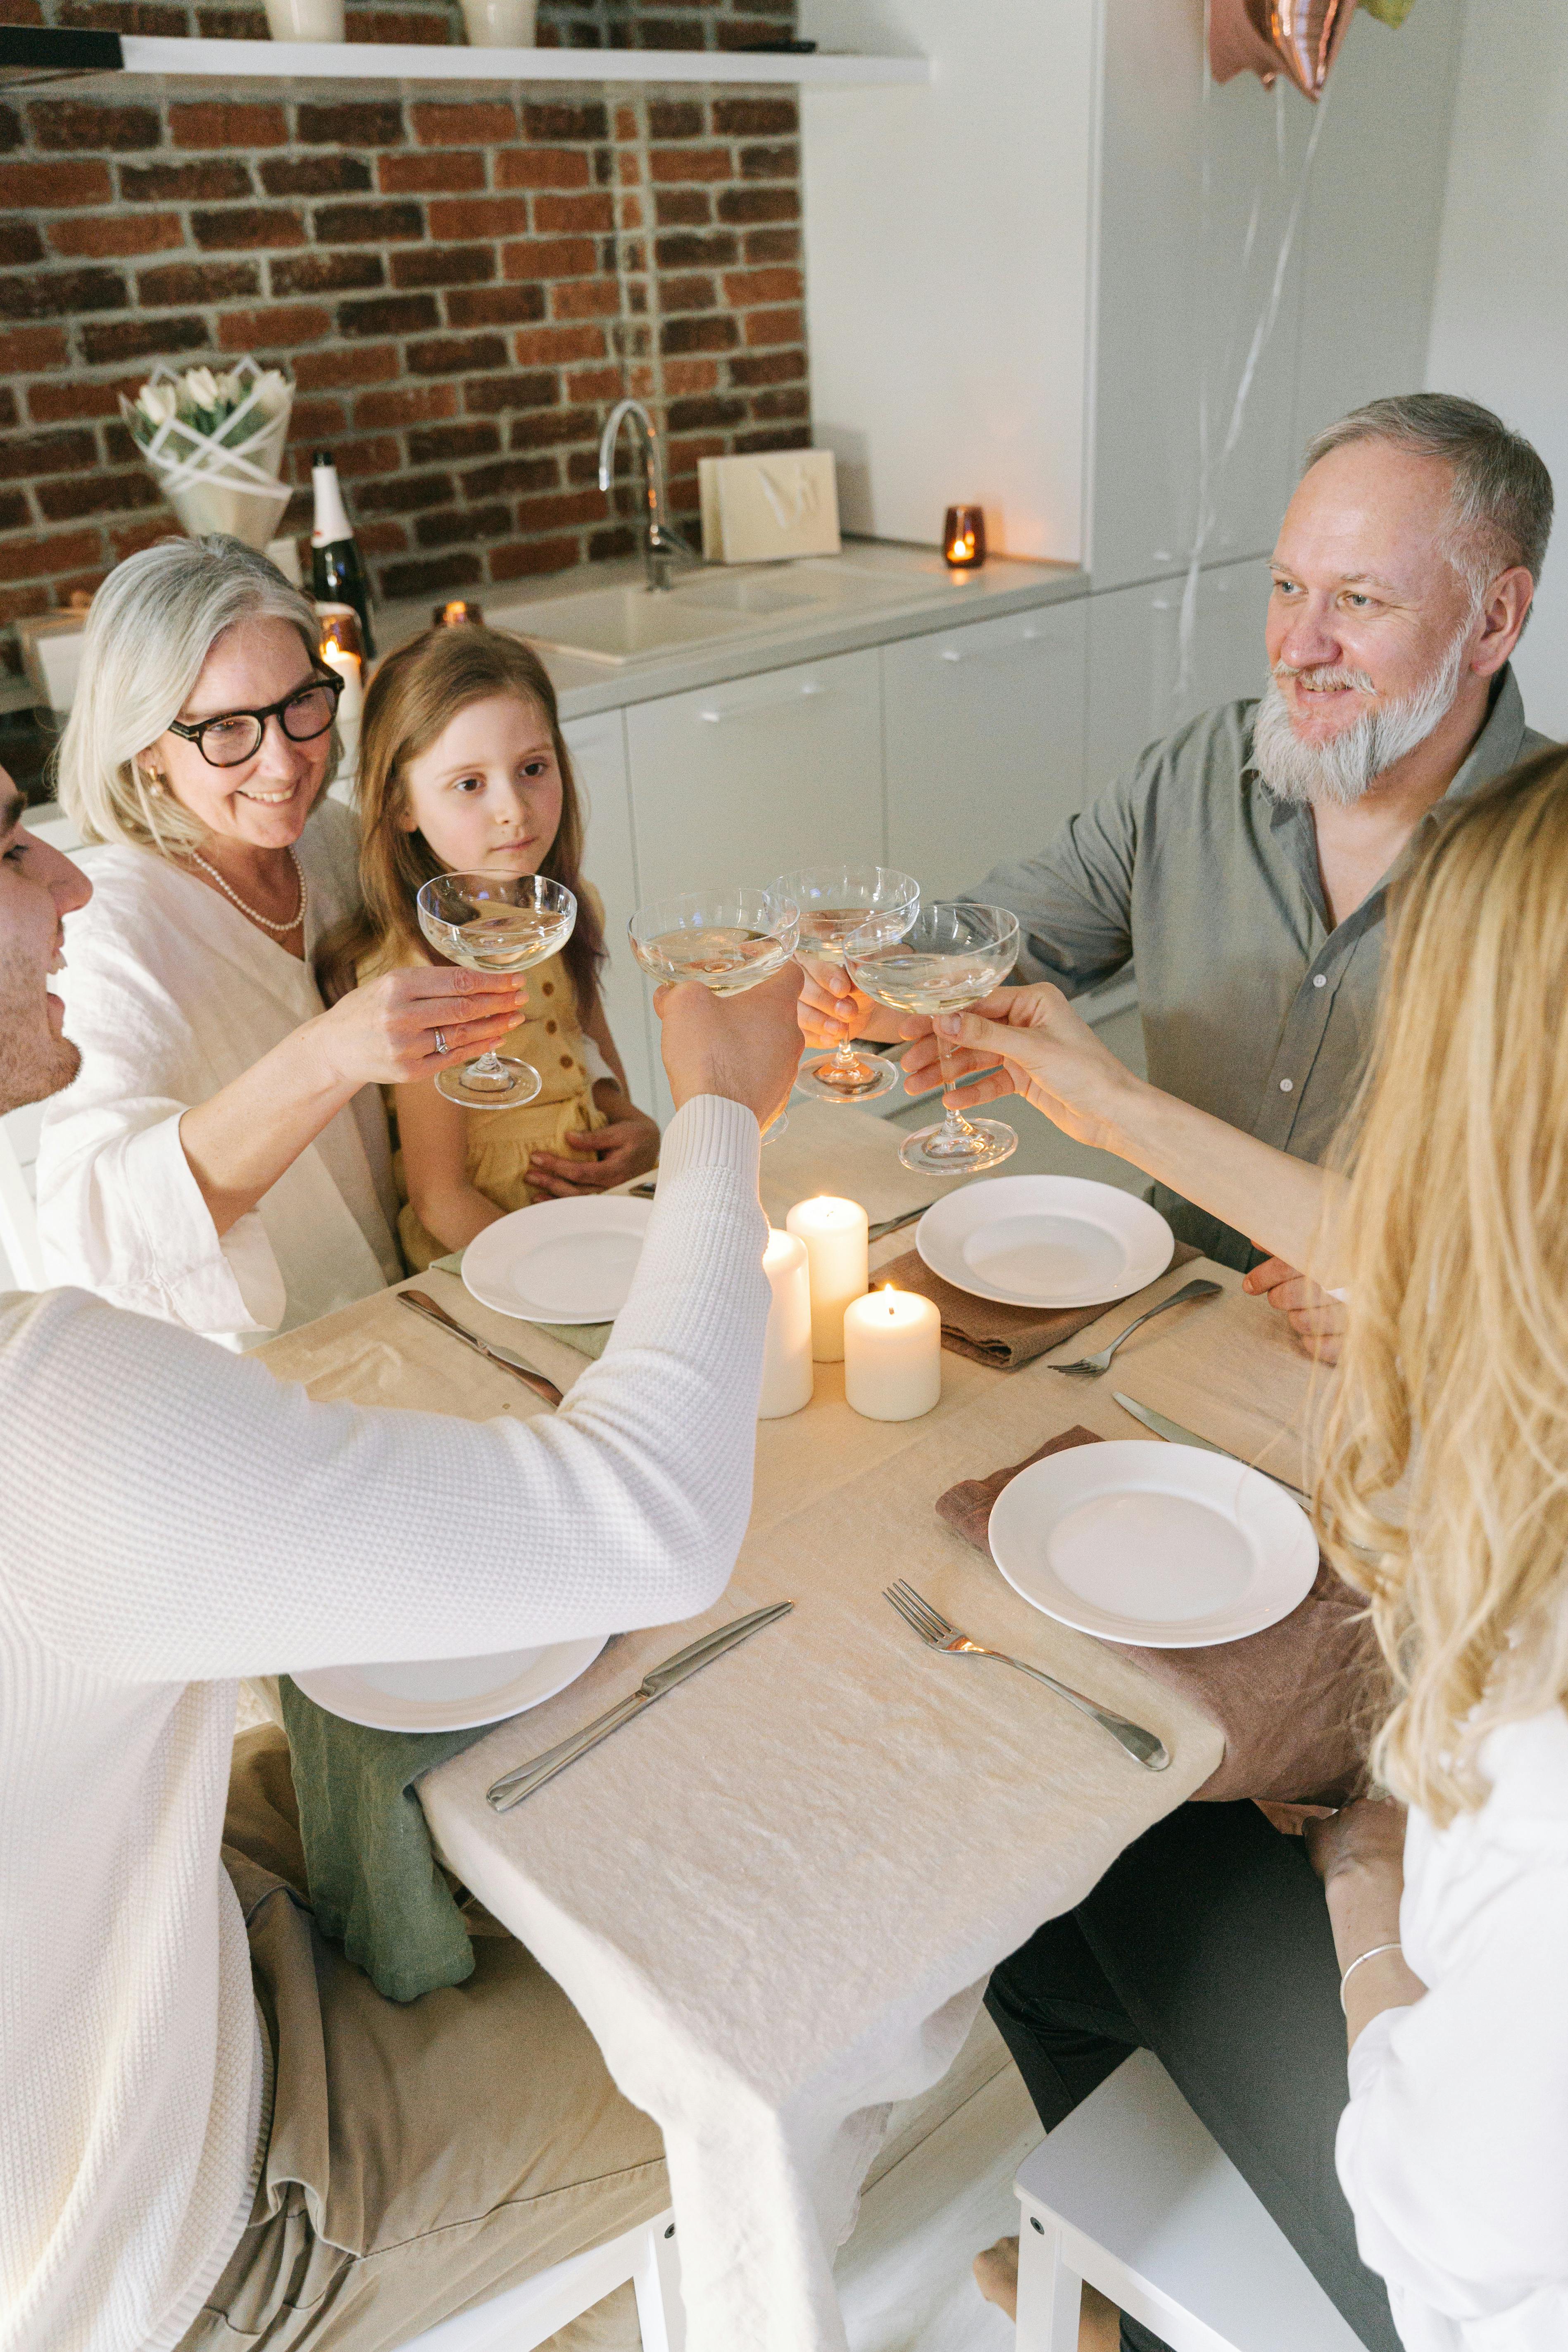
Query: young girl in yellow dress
[463, 770]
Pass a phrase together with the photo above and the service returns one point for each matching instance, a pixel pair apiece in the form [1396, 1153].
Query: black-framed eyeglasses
[233, 737]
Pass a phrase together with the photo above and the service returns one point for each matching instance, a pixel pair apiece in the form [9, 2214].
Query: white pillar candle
[837, 1248]
[787, 1376]
[892, 1355]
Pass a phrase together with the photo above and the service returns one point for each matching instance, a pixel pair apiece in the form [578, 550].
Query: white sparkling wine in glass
[721, 955]
[912, 981]
[826, 932]
[508, 940]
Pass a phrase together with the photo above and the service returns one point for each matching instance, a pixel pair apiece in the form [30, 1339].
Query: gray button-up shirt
[1253, 1008]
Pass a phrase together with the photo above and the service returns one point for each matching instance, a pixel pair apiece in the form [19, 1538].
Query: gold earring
[153, 780]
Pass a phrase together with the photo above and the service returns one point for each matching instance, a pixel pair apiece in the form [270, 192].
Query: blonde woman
[222, 1161]
[1445, 1499]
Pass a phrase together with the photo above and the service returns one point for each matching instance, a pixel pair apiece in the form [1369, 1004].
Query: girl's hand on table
[1045, 1053]
[384, 1034]
[596, 1162]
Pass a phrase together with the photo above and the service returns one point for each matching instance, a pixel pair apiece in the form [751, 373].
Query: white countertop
[927, 596]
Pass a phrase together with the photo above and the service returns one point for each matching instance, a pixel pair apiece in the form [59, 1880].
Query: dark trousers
[1208, 1943]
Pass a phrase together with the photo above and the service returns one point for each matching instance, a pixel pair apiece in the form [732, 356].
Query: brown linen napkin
[1297, 1702]
[1003, 1337]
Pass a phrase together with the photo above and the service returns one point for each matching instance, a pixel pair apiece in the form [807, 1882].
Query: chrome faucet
[662, 542]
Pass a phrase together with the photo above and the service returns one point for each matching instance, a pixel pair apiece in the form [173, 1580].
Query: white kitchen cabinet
[982, 729]
[598, 751]
[1138, 688]
[738, 782]
[734, 783]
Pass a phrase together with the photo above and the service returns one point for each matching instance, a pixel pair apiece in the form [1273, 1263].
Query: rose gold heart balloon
[1298, 37]
[1307, 34]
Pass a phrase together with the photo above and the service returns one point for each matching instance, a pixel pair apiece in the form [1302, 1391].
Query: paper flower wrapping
[213, 440]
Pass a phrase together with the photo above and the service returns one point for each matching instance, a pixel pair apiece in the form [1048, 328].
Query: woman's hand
[596, 1162]
[831, 1008]
[1046, 1054]
[1318, 1320]
[384, 1034]
[1366, 1837]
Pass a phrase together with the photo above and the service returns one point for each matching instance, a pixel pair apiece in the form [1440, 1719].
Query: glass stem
[955, 1125]
[487, 1064]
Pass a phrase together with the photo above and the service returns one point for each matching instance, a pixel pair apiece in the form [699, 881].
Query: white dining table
[776, 1896]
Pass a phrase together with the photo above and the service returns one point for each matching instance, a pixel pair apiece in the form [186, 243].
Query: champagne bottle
[337, 576]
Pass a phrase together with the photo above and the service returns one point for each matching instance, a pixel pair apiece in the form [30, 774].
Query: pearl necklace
[278, 931]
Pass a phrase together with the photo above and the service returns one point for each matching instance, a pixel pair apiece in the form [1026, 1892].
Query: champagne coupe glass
[494, 922]
[725, 940]
[952, 956]
[837, 903]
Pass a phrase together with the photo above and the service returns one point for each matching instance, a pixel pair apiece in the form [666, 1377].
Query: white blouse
[171, 994]
[1454, 2149]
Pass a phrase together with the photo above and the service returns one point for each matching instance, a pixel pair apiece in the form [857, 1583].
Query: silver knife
[891, 1225]
[1163, 1426]
[423, 1305]
[512, 1787]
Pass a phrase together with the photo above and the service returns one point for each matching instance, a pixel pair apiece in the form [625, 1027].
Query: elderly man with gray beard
[1244, 861]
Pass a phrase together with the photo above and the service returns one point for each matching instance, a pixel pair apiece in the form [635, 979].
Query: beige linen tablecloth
[776, 1896]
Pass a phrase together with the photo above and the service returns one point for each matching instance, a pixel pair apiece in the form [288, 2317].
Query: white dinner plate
[560, 1261]
[1044, 1241]
[1156, 1545]
[450, 1693]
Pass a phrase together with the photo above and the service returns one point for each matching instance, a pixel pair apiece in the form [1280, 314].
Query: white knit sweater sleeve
[1454, 2149]
[175, 1513]
[120, 1211]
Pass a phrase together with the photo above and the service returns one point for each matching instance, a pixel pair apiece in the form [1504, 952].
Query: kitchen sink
[627, 624]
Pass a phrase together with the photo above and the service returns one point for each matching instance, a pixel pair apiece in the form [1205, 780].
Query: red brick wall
[462, 280]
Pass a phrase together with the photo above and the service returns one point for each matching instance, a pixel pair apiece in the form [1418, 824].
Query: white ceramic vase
[305, 20]
[500, 24]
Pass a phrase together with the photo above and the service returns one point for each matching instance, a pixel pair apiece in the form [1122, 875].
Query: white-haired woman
[222, 1161]
[1444, 1497]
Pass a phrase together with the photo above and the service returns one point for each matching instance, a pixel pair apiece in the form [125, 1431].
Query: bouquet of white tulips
[213, 439]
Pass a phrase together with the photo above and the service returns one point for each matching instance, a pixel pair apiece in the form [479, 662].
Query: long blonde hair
[1445, 1497]
[417, 692]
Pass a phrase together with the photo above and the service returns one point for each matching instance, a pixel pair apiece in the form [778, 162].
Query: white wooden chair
[1131, 2195]
[525, 2316]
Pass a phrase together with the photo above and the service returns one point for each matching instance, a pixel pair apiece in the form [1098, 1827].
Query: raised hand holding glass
[951, 958]
[838, 903]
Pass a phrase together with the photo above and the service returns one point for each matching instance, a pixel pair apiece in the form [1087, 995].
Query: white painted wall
[1499, 319]
[947, 365]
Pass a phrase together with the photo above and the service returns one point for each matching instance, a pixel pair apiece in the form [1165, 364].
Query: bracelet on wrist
[1359, 1960]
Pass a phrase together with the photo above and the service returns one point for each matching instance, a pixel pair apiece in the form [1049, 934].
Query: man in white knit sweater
[212, 2129]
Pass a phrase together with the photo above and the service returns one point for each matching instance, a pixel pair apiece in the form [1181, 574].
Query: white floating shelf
[406, 61]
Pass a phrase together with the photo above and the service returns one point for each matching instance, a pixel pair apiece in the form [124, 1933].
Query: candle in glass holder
[892, 1355]
[836, 1244]
[342, 649]
[787, 1376]
[457, 612]
[964, 537]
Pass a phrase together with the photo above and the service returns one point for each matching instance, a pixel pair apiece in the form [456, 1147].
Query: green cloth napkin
[588, 1339]
[375, 1885]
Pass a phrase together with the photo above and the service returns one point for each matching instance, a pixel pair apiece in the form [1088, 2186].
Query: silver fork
[934, 1629]
[1090, 1367]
